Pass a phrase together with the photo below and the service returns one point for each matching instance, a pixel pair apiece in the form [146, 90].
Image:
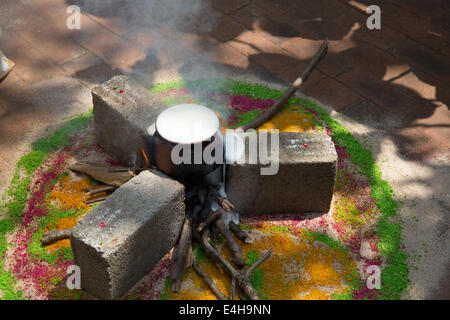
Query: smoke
[178, 14]
[165, 58]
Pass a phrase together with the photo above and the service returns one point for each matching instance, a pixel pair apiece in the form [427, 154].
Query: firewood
[100, 189]
[56, 235]
[241, 234]
[241, 294]
[209, 282]
[243, 277]
[210, 219]
[190, 258]
[226, 204]
[95, 200]
[233, 289]
[236, 250]
[103, 173]
[180, 255]
[269, 113]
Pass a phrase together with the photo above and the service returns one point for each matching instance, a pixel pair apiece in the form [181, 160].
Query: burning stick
[226, 204]
[210, 219]
[101, 189]
[95, 200]
[146, 159]
[241, 234]
[243, 277]
[180, 256]
[56, 235]
[209, 282]
[236, 250]
[269, 113]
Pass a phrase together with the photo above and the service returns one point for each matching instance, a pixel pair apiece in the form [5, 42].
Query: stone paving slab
[119, 241]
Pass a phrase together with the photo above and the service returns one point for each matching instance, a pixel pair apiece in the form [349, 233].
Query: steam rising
[163, 58]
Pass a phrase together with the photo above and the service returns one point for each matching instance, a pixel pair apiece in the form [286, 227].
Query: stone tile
[275, 7]
[195, 42]
[159, 50]
[225, 54]
[321, 19]
[389, 96]
[418, 82]
[96, 74]
[424, 59]
[266, 24]
[247, 15]
[229, 5]
[429, 8]
[365, 112]
[426, 32]
[437, 124]
[105, 44]
[331, 92]
[81, 63]
[227, 29]
[415, 144]
[59, 48]
[18, 106]
[31, 64]
[263, 52]
[291, 74]
[305, 49]
[11, 79]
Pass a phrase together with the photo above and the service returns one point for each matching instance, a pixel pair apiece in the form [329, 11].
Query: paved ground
[390, 86]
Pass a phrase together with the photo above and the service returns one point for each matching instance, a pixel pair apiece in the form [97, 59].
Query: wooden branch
[257, 263]
[56, 235]
[190, 258]
[114, 176]
[269, 113]
[95, 200]
[236, 250]
[242, 279]
[226, 204]
[241, 294]
[101, 189]
[209, 282]
[241, 234]
[233, 289]
[180, 255]
[210, 219]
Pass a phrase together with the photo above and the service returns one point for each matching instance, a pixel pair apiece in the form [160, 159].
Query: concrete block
[119, 241]
[122, 113]
[304, 181]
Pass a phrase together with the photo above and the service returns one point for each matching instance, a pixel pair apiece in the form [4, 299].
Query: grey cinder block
[122, 113]
[304, 182]
[119, 241]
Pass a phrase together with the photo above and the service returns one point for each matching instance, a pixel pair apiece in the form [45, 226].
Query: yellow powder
[289, 121]
[297, 269]
[62, 224]
[68, 194]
